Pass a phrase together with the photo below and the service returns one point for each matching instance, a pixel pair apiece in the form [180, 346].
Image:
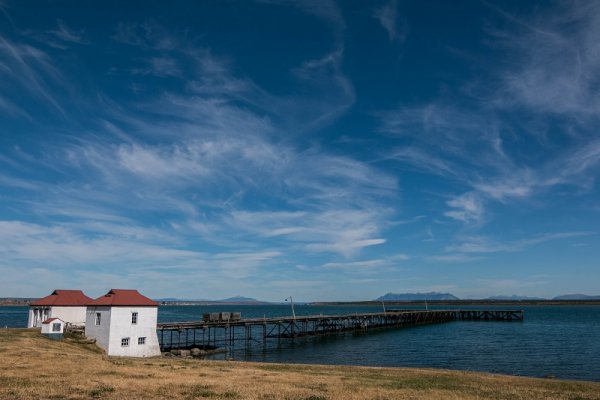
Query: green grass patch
[422, 383]
[100, 391]
[313, 397]
[14, 382]
[199, 391]
[206, 391]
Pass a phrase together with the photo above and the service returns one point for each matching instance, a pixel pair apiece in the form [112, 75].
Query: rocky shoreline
[194, 352]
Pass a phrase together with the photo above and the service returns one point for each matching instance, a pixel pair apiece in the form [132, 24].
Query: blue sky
[324, 150]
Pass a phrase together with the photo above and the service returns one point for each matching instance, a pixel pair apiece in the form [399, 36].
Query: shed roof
[65, 298]
[49, 320]
[123, 297]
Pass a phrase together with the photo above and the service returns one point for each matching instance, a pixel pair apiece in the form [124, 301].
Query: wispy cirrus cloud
[201, 157]
[324, 91]
[480, 244]
[62, 37]
[68, 35]
[561, 75]
[474, 144]
[466, 208]
[32, 70]
[453, 258]
[396, 27]
[148, 256]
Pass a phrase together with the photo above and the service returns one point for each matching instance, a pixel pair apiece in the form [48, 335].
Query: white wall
[72, 315]
[37, 315]
[99, 332]
[116, 324]
[121, 327]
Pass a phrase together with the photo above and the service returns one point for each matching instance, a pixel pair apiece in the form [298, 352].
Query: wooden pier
[257, 331]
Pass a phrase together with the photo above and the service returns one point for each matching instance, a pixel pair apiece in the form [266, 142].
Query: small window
[98, 318]
[125, 342]
[134, 318]
[56, 327]
[141, 340]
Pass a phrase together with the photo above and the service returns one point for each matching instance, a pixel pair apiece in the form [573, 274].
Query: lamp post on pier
[292, 303]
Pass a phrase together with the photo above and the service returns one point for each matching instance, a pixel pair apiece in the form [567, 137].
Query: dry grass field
[33, 367]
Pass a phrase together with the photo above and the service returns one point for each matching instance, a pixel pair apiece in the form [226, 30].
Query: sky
[317, 149]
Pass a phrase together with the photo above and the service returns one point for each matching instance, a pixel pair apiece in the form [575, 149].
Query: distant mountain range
[232, 300]
[514, 298]
[448, 296]
[416, 296]
[576, 297]
[178, 299]
[239, 299]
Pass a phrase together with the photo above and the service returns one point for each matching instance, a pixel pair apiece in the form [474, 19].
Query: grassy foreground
[33, 367]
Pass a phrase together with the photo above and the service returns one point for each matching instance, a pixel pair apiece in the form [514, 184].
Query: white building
[123, 322]
[68, 305]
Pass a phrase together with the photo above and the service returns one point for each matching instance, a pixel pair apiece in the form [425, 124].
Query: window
[98, 318]
[56, 327]
[134, 318]
[125, 342]
[141, 340]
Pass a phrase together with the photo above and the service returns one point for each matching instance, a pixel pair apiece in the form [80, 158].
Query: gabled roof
[52, 319]
[123, 297]
[59, 297]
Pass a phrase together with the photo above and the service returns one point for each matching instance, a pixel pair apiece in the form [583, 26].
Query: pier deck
[181, 335]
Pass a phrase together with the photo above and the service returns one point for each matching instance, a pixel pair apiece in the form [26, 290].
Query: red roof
[73, 298]
[123, 297]
[51, 319]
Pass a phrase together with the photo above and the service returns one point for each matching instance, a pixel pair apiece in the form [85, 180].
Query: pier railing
[213, 334]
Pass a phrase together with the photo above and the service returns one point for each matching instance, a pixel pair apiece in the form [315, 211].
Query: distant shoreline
[458, 303]
[21, 302]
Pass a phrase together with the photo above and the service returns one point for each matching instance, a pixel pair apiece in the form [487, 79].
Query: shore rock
[184, 353]
[195, 352]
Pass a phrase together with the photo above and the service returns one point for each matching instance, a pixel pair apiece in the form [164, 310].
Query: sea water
[560, 341]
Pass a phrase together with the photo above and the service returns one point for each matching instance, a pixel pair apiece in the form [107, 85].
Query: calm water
[563, 341]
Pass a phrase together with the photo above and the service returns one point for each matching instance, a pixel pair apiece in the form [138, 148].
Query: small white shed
[123, 322]
[53, 328]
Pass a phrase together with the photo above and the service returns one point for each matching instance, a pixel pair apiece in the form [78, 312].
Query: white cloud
[342, 231]
[396, 28]
[480, 244]
[467, 208]
[360, 265]
[454, 258]
[32, 69]
[68, 35]
[422, 160]
[210, 161]
[561, 75]
[516, 106]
